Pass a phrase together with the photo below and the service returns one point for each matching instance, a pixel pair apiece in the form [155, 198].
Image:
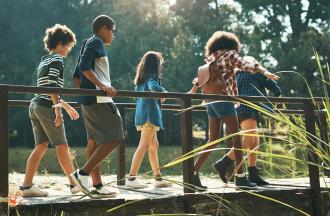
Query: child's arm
[154, 85]
[55, 68]
[76, 77]
[272, 86]
[74, 115]
[58, 121]
[195, 87]
[85, 66]
[89, 74]
[247, 66]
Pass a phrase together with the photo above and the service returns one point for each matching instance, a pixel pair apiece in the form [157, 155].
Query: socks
[195, 172]
[158, 177]
[25, 187]
[131, 178]
[98, 186]
[83, 173]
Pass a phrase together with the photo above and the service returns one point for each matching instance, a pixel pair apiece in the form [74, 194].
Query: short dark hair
[58, 34]
[102, 20]
[222, 40]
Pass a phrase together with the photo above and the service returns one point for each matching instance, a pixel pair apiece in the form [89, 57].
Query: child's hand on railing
[162, 100]
[271, 76]
[111, 91]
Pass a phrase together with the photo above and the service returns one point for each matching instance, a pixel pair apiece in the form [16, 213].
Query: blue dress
[149, 109]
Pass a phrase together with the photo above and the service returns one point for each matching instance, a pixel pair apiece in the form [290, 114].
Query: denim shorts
[220, 109]
[248, 115]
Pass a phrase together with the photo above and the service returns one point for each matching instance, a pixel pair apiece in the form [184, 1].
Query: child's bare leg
[96, 173]
[63, 156]
[100, 152]
[250, 142]
[214, 131]
[236, 153]
[153, 153]
[145, 139]
[33, 162]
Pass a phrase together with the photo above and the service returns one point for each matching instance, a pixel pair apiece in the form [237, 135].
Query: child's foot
[134, 183]
[102, 192]
[159, 182]
[162, 183]
[222, 166]
[242, 182]
[33, 192]
[74, 189]
[81, 181]
[254, 176]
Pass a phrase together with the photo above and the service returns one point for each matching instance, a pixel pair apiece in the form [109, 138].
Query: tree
[288, 31]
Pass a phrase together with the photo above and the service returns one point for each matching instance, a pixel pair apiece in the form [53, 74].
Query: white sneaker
[81, 181]
[103, 192]
[162, 183]
[74, 189]
[33, 192]
[135, 184]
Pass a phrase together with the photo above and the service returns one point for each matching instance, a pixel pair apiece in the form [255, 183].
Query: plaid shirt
[228, 62]
[254, 85]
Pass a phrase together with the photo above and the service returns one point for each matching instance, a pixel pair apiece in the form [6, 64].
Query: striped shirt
[50, 74]
[228, 62]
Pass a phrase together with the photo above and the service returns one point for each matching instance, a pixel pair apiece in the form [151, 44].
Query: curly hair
[58, 34]
[221, 40]
[149, 64]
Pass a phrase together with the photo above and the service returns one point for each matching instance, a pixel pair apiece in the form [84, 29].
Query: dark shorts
[220, 109]
[103, 122]
[244, 116]
[44, 130]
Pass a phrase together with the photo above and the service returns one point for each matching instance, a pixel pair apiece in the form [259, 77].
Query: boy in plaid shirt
[224, 47]
[253, 85]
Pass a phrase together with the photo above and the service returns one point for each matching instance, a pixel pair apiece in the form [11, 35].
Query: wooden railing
[186, 127]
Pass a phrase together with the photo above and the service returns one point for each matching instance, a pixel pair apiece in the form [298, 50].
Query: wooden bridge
[311, 198]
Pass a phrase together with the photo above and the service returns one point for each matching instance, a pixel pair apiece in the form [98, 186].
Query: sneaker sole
[246, 187]
[140, 187]
[79, 184]
[162, 186]
[109, 195]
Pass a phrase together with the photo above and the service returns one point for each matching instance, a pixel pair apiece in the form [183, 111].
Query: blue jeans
[220, 109]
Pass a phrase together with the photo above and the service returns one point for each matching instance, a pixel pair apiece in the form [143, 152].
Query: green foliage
[279, 33]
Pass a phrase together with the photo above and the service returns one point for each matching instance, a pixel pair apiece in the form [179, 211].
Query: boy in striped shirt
[45, 109]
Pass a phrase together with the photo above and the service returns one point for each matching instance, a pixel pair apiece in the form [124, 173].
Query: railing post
[314, 177]
[324, 137]
[3, 150]
[186, 143]
[121, 154]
